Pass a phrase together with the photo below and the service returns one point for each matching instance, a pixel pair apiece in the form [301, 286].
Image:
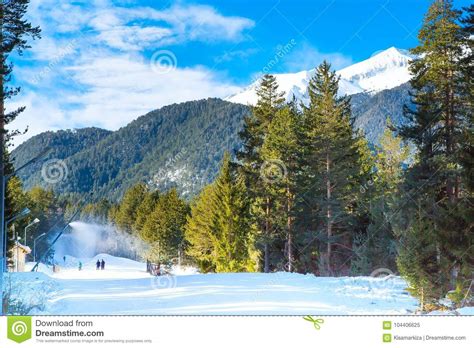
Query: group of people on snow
[100, 264]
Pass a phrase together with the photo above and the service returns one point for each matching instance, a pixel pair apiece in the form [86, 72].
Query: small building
[18, 253]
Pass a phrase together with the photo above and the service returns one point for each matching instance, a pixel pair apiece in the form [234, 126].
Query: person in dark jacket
[97, 265]
[102, 264]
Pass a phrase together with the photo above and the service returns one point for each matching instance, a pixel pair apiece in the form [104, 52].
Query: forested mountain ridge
[187, 139]
[62, 144]
[370, 111]
[179, 145]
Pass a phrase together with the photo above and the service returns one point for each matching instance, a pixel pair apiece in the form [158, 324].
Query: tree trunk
[2, 167]
[329, 214]
[267, 236]
[422, 299]
[289, 226]
[266, 267]
[451, 182]
[454, 277]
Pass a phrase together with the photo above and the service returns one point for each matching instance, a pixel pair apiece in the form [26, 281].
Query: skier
[102, 264]
[97, 265]
[80, 266]
[64, 258]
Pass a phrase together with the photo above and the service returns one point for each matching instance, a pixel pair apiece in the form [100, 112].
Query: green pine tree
[96, 212]
[218, 230]
[253, 134]
[467, 149]
[199, 230]
[281, 148]
[163, 230]
[376, 247]
[146, 207]
[15, 32]
[435, 184]
[126, 214]
[332, 166]
[418, 260]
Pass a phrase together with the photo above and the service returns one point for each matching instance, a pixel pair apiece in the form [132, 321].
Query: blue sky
[105, 62]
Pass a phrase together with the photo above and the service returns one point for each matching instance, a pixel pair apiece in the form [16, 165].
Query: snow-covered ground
[124, 287]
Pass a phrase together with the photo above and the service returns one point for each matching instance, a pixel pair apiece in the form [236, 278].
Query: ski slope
[125, 288]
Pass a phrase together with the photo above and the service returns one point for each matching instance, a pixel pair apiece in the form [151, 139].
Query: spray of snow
[85, 240]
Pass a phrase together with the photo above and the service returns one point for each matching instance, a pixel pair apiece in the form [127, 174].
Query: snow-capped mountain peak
[383, 70]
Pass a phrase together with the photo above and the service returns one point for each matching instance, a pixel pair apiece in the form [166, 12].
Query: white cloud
[118, 90]
[60, 16]
[124, 87]
[204, 22]
[41, 115]
[134, 37]
[308, 57]
[135, 28]
[177, 24]
[92, 68]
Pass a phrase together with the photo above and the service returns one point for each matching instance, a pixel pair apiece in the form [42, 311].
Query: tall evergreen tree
[144, 209]
[199, 230]
[231, 220]
[435, 185]
[126, 214]
[253, 135]
[219, 235]
[467, 150]
[332, 168]
[376, 247]
[15, 30]
[281, 146]
[163, 230]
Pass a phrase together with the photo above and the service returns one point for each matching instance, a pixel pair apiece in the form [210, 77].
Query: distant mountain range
[384, 70]
[181, 145]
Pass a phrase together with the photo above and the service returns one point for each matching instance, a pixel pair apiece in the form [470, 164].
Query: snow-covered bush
[25, 293]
